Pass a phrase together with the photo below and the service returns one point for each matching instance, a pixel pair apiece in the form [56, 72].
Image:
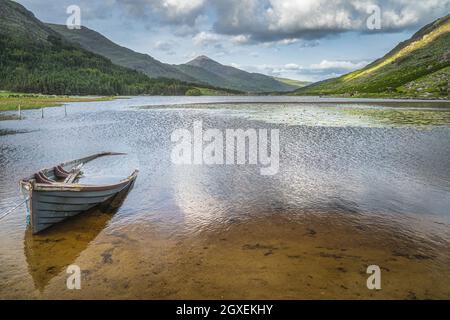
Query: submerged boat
[54, 194]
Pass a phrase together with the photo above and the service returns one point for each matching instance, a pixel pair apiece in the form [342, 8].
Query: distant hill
[209, 71]
[292, 82]
[35, 58]
[418, 67]
[201, 70]
[99, 44]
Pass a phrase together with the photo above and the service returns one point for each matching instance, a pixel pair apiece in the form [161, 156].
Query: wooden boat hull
[49, 253]
[49, 204]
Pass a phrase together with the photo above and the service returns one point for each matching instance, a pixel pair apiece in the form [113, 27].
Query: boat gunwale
[70, 162]
[75, 187]
[33, 188]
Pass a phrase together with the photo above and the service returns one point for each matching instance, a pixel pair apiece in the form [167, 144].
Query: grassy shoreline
[396, 96]
[10, 101]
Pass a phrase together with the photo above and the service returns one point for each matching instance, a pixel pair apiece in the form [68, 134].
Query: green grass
[292, 82]
[417, 68]
[397, 117]
[36, 59]
[433, 85]
[11, 101]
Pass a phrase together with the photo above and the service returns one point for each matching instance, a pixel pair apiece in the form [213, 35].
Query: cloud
[180, 10]
[56, 12]
[273, 20]
[314, 72]
[250, 21]
[299, 43]
[240, 39]
[164, 45]
[166, 11]
[288, 41]
[168, 47]
[288, 21]
[244, 39]
[292, 66]
[341, 65]
[205, 38]
[331, 69]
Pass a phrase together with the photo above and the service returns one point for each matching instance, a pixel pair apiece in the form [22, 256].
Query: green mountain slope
[35, 58]
[97, 43]
[202, 70]
[407, 70]
[292, 82]
[209, 71]
[204, 76]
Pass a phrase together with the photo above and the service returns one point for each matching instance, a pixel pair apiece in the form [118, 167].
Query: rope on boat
[3, 215]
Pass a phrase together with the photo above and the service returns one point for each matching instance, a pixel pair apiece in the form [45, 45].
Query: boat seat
[60, 172]
[41, 178]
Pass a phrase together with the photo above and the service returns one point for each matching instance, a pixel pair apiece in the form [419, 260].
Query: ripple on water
[352, 190]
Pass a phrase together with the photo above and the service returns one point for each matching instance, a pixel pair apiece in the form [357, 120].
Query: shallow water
[360, 182]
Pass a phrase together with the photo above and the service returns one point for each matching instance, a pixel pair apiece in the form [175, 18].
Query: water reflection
[403, 117]
[326, 114]
[51, 251]
[345, 179]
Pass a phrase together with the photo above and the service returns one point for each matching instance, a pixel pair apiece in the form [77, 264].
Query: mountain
[35, 58]
[418, 67]
[201, 70]
[292, 82]
[214, 73]
[99, 44]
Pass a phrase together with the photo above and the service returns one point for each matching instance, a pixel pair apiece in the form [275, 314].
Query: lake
[360, 182]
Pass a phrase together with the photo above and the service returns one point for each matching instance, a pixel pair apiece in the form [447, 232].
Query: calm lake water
[360, 182]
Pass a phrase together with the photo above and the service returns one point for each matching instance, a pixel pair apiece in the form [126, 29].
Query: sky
[308, 40]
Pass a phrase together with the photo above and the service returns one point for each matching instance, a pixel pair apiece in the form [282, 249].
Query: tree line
[58, 67]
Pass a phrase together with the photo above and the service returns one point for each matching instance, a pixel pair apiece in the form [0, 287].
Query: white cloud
[240, 39]
[176, 12]
[252, 21]
[288, 41]
[314, 72]
[292, 66]
[338, 64]
[178, 7]
[164, 45]
[289, 20]
[205, 38]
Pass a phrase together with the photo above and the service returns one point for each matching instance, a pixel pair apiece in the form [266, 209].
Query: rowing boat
[53, 194]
